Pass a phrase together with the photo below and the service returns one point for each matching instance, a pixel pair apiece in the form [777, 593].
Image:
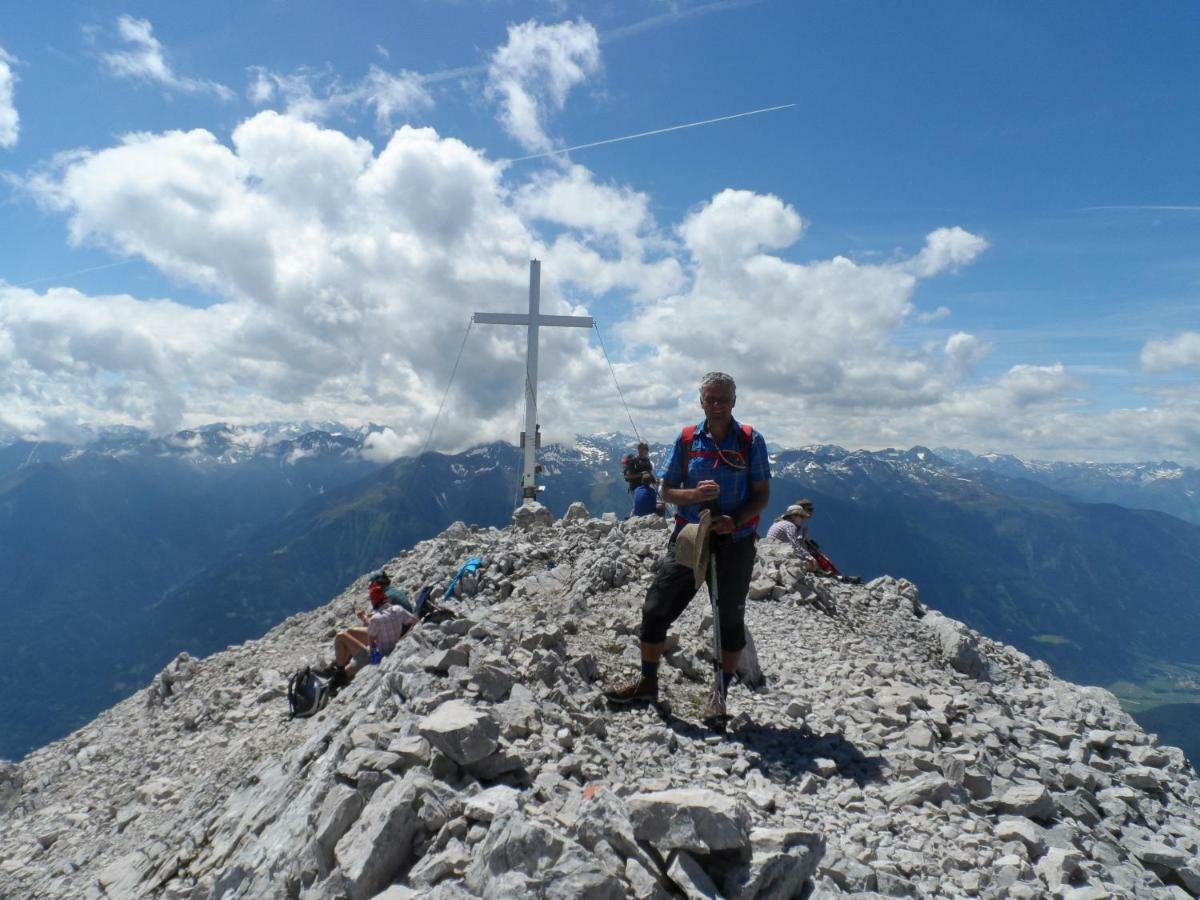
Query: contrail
[121, 262]
[670, 18]
[630, 137]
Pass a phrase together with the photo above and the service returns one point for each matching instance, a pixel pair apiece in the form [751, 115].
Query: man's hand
[724, 525]
[706, 490]
[362, 616]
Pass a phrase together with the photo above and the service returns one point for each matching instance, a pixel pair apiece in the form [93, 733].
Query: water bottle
[376, 654]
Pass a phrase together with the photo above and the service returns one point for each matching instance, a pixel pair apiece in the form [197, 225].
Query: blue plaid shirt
[735, 486]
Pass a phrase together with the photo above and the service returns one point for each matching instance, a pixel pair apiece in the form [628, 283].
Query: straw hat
[798, 509]
[691, 546]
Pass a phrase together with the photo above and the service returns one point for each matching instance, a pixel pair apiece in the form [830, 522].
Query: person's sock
[649, 669]
[726, 680]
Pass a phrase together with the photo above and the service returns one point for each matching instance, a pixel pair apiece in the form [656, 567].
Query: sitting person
[645, 498]
[790, 527]
[396, 596]
[383, 627]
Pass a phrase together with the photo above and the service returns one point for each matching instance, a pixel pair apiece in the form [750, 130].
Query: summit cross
[532, 320]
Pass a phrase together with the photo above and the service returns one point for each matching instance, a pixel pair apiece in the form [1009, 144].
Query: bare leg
[347, 644]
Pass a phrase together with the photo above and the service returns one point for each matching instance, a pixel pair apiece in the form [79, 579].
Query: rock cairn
[878, 748]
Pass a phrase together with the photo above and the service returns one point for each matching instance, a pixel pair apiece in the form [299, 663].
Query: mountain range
[131, 548]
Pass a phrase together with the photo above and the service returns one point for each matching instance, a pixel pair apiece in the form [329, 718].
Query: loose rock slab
[700, 821]
[461, 731]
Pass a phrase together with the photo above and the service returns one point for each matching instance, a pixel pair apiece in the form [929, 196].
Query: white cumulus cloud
[532, 74]
[813, 345]
[384, 446]
[317, 95]
[1179, 352]
[341, 280]
[10, 121]
[963, 352]
[736, 225]
[144, 58]
[613, 240]
[947, 249]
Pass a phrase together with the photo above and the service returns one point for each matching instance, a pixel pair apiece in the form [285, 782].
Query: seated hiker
[645, 498]
[719, 467]
[634, 467]
[395, 595]
[822, 564]
[790, 527]
[382, 628]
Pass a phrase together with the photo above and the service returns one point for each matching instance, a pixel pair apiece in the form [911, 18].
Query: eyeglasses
[716, 400]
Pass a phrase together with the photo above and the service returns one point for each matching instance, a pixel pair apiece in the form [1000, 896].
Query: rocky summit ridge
[878, 749]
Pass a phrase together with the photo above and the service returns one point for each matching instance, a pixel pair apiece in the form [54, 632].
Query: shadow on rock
[789, 752]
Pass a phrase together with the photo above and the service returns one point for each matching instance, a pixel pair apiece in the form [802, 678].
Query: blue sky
[977, 226]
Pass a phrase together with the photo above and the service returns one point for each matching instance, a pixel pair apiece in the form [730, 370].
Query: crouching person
[381, 630]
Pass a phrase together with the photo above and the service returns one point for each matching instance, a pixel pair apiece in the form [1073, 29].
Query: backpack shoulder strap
[747, 441]
[685, 440]
[747, 435]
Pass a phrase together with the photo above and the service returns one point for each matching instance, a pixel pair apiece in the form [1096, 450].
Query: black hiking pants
[674, 586]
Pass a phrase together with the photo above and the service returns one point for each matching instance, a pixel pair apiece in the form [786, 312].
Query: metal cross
[530, 438]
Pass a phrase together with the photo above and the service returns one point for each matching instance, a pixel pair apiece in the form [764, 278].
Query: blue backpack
[308, 693]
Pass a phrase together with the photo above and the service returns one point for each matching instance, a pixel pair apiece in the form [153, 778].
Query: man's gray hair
[718, 379]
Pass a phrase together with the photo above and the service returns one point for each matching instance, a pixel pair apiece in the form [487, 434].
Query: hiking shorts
[674, 586]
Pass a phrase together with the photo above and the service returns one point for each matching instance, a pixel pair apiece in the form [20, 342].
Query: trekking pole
[718, 669]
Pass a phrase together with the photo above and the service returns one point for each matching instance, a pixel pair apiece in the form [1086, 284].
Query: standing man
[720, 465]
[790, 527]
[634, 467]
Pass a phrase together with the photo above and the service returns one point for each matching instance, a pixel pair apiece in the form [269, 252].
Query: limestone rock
[517, 847]
[576, 512]
[701, 821]
[10, 786]
[959, 647]
[500, 800]
[493, 682]
[690, 878]
[782, 862]
[530, 515]
[749, 669]
[1058, 867]
[463, 732]
[1032, 801]
[379, 844]
[927, 788]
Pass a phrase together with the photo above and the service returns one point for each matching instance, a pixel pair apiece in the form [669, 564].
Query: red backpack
[746, 435]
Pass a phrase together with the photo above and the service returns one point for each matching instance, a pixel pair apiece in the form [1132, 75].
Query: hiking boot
[637, 689]
[339, 679]
[715, 714]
